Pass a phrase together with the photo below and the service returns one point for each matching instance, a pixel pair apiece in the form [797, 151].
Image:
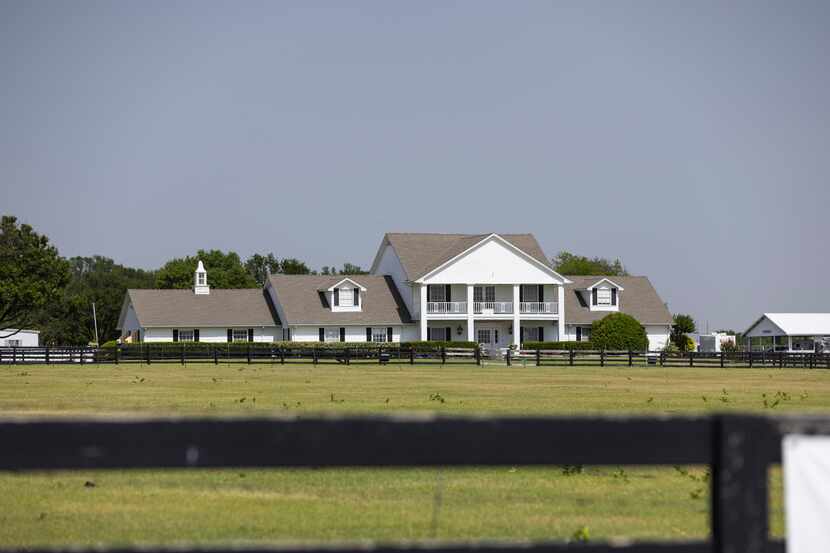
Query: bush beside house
[618, 331]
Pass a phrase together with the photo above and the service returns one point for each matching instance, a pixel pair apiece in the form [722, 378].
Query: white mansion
[494, 289]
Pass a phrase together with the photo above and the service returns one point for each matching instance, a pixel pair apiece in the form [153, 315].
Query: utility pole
[95, 322]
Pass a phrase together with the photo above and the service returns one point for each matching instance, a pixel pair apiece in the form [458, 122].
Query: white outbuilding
[793, 332]
[12, 337]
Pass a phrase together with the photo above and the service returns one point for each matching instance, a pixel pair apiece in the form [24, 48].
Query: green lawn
[260, 506]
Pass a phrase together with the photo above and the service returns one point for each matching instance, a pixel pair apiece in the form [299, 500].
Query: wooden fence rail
[259, 353]
[738, 449]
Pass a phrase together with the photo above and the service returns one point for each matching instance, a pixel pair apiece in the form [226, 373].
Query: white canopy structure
[794, 332]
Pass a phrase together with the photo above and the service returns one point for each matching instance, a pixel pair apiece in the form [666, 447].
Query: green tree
[260, 266]
[32, 274]
[619, 331]
[349, 269]
[567, 263]
[292, 266]
[68, 320]
[225, 270]
[681, 326]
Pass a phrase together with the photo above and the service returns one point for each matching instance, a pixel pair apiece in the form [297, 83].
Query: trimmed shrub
[435, 345]
[559, 345]
[618, 331]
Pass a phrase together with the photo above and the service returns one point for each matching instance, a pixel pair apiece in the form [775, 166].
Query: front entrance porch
[496, 333]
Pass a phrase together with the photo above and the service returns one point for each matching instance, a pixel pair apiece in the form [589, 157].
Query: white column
[561, 300]
[423, 302]
[517, 328]
[471, 335]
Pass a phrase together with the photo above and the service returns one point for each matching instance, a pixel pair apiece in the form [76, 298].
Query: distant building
[714, 342]
[793, 332]
[23, 338]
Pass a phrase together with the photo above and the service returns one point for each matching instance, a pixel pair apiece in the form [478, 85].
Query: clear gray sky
[688, 138]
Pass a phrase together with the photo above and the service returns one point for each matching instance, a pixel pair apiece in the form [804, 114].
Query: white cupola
[200, 284]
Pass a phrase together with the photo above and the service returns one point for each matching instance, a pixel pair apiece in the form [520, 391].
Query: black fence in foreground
[738, 449]
[264, 353]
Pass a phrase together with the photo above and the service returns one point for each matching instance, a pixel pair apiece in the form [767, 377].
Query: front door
[488, 337]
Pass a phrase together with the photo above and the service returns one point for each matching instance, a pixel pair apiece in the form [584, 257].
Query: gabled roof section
[640, 300]
[605, 279]
[303, 301]
[248, 307]
[342, 281]
[798, 324]
[422, 253]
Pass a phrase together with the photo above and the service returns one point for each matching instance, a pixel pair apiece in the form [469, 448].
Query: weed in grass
[437, 397]
[570, 470]
[582, 535]
[620, 475]
[696, 493]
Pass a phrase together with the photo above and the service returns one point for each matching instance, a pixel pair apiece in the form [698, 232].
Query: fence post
[117, 352]
[602, 357]
[314, 355]
[215, 356]
[249, 354]
[81, 355]
[412, 355]
[750, 359]
[478, 355]
[443, 355]
[721, 359]
[507, 357]
[662, 358]
[147, 354]
[538, 357]
[630, 358]
[14, 355]
[571, 357]
[691, 359]
[780, 359]
[349, 355]
[739, 508]
[182, 353]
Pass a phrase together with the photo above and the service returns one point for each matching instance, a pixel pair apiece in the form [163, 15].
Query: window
[604, 296]
[530, 293]
[186, 335]
[439, 334]
[379, 334]
[201, 278]
[16, 343]
[346, 298]
[332, 335]
[531, 334]
[484, 293]
[437, 293]
[240, 335]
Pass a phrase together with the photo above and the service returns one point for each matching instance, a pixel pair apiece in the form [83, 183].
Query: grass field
[256, 506]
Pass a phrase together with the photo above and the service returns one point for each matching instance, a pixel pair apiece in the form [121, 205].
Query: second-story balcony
[447, 307]
[493, 307]
[539, 307]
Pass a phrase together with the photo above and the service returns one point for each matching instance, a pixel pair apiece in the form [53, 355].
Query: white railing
[446, 307]
[539, 307]
[495, 307]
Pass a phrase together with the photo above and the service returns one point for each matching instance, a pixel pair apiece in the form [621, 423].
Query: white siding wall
[658, 336]
[130, 321]
[354, 333]
[27, 338]
[213, 335]
[765, 328]
[389, 264]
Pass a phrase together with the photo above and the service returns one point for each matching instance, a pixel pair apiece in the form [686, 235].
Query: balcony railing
[495, 307]
[447, 307]
[539, 307]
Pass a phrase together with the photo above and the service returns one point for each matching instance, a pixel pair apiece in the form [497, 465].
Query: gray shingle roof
[639, 299]
[303, 302]
[420, 253]
[220, 308]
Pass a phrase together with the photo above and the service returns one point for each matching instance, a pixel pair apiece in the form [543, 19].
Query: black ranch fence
[263, 353]
[739, 449]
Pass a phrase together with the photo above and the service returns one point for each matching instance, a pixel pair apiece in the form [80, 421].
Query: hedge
[244, 346]
[619, 331]
[559, 345]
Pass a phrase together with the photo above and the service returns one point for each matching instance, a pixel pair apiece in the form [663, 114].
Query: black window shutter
[357, 297]
[368, 333]
[448, 293]
[449, 334]
[541, 293]
[175, 334]
[230, 335]
[521, 293]
[389, 334]
[250, 334]
[195, 334]
[337, 296]
[613, 296]
[594, 296]
[322, 334]
[541, 334]
[342, 334]
[521, 335]
[579, 334]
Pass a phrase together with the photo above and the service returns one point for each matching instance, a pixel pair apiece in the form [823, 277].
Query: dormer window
[345, 295]
[604, 295]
